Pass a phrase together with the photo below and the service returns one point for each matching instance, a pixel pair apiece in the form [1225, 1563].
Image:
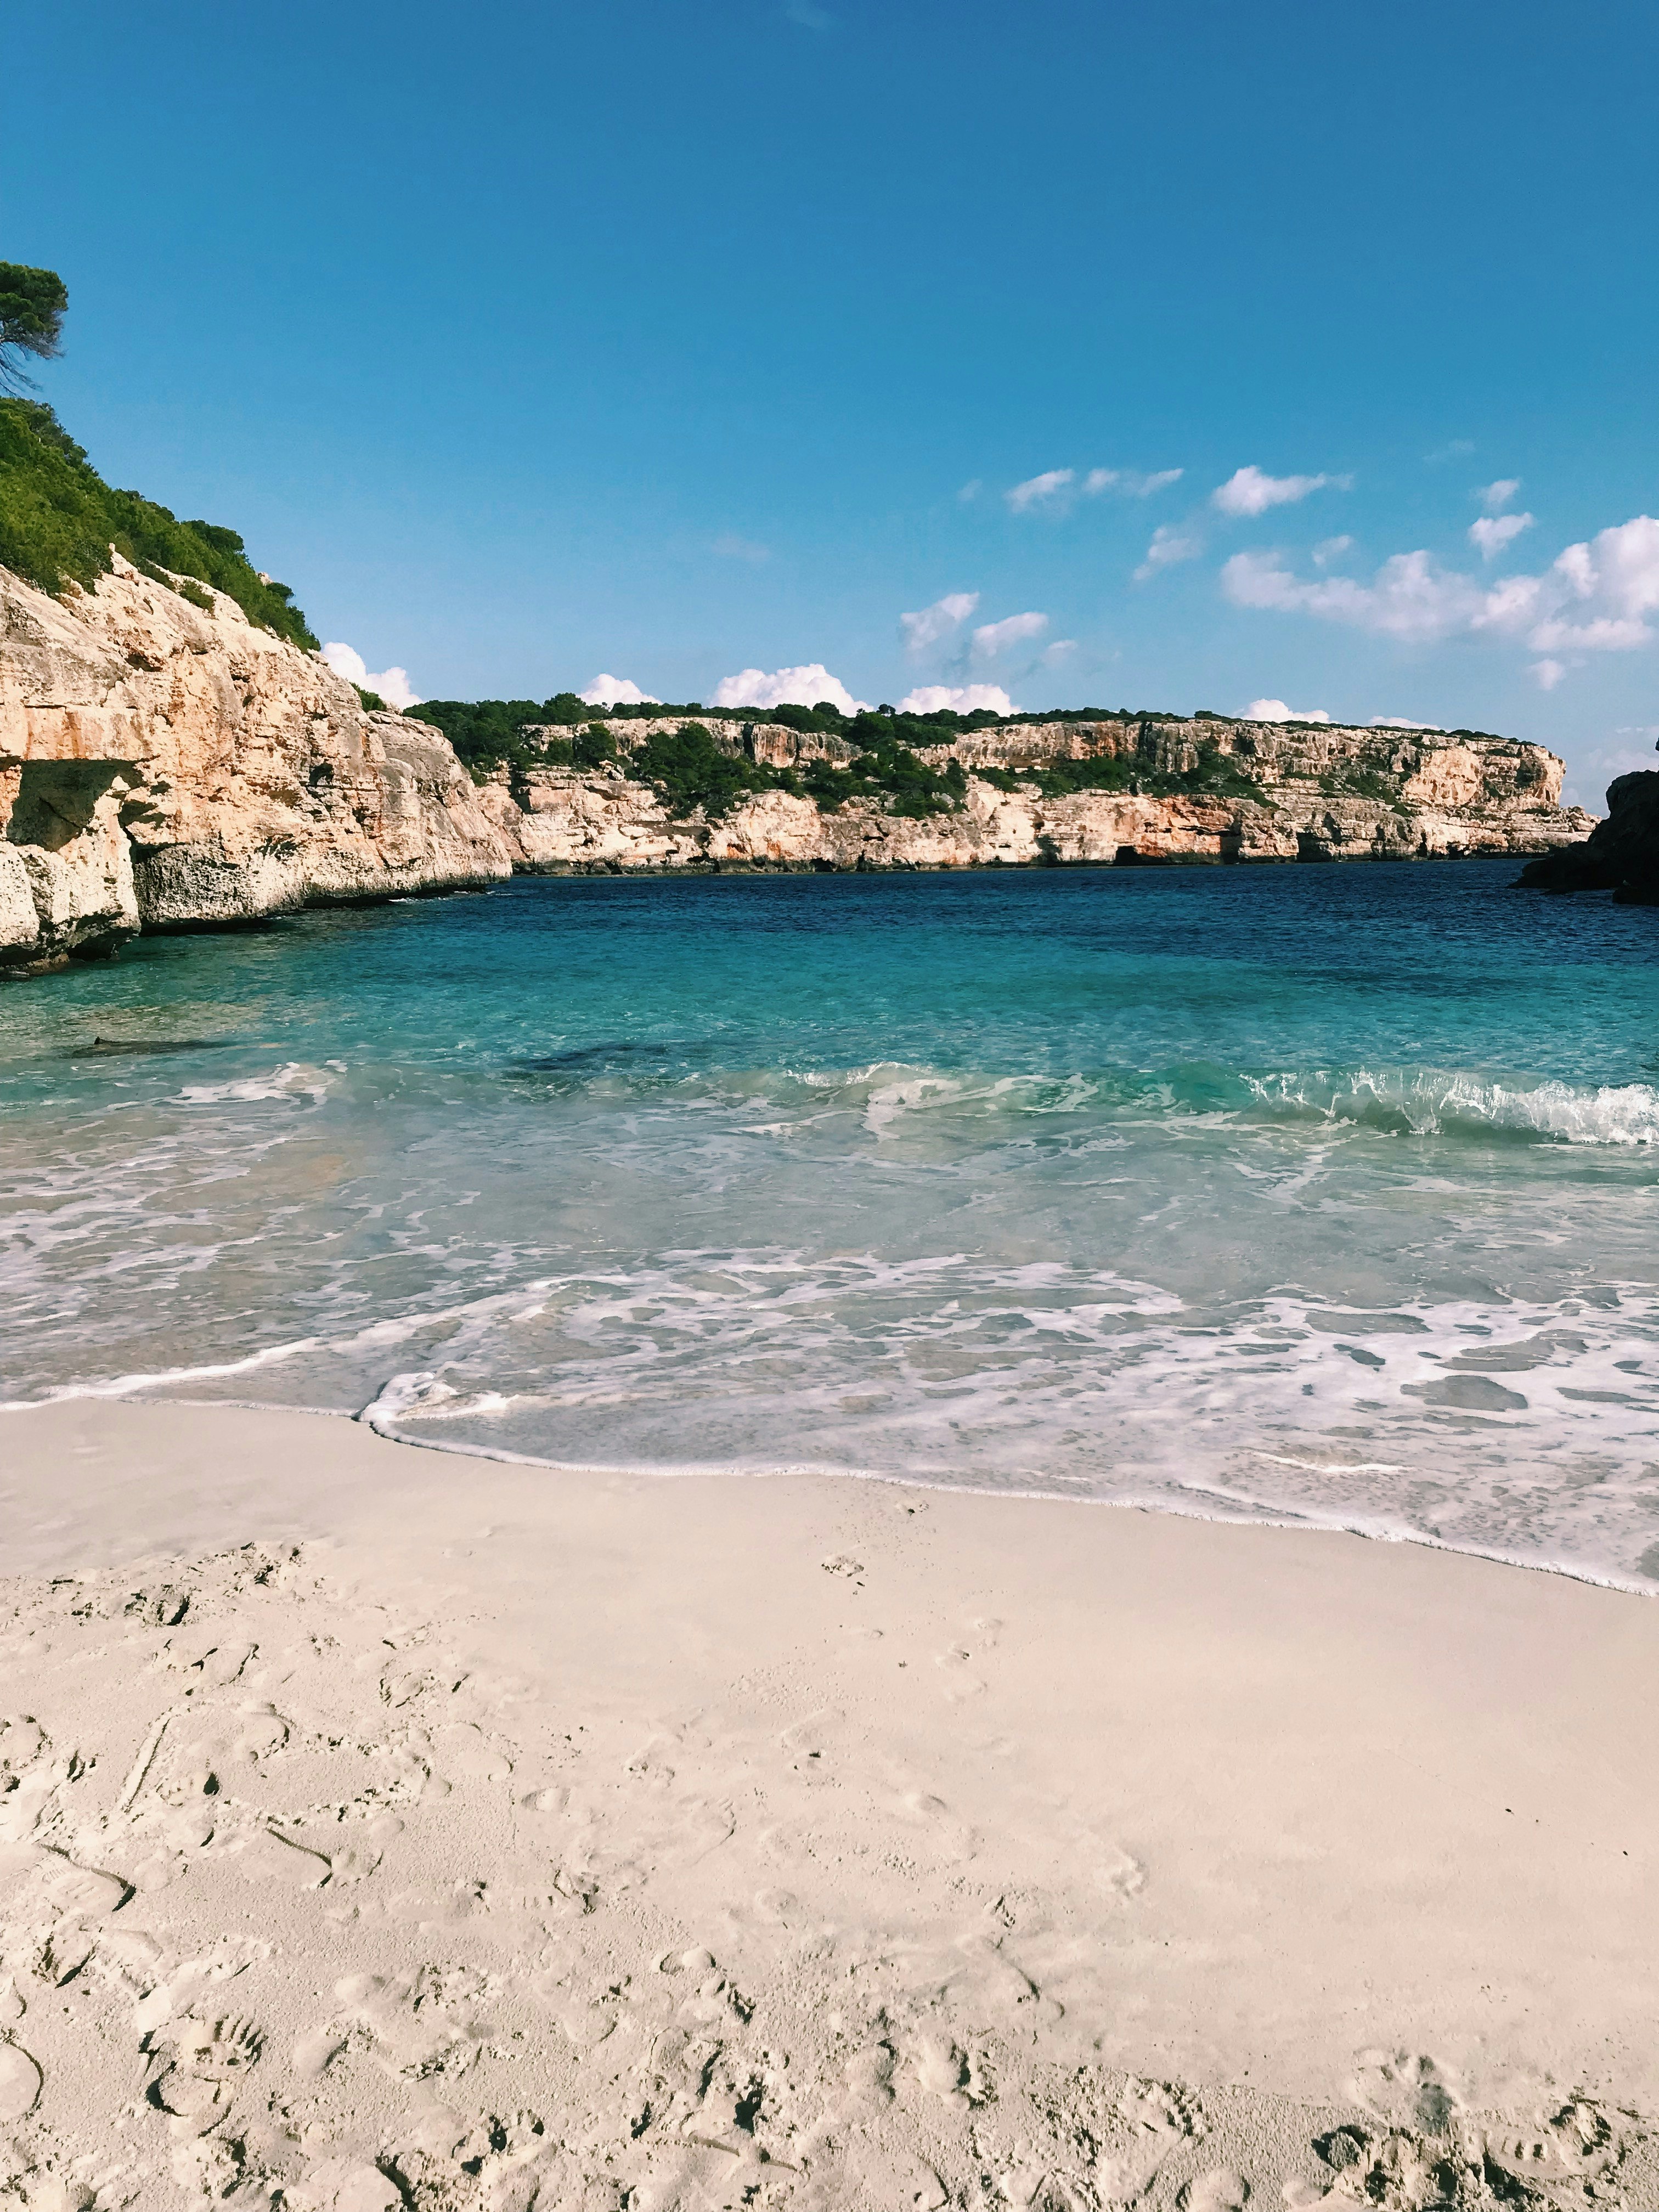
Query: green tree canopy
[31, 305]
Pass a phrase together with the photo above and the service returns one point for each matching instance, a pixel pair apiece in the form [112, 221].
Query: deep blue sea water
[1318, 1193]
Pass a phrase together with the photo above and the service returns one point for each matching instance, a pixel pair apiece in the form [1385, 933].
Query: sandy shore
[385, 1827]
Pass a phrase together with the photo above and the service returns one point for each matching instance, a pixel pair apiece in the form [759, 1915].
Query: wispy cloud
[1130, 483]
[971, 490]
[992, 638]
[1495, 497]
[1251, 491]
[1456, 449]
[1329, 549]
[809, 17]
[391, 684]
[730, 547]
[1040, 491]
[1058, 488]
[616, 691]
[799, 687]
[1168, 546]
[1546, 674]
[961, 698]
[943, 619]
[1493, 532]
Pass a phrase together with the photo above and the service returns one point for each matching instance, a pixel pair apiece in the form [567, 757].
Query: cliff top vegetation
[489, 733]
[59, 519]
[33, 304]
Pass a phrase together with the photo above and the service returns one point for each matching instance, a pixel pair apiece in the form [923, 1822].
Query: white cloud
[730, 547]
[1329, 549]
[1546, 674]
[1597, 597]
[927, 627]
[1409, 598]
[1401, 722]
[1130, 482]
[1275, 710]
[971, 490]
[616, 691]
[1036, 490]
[1061, 650]
[391, 683]
[1248, 491]
[1168, 546]
[1455, 451]
[992, 638]
[1493, 532]
[1495, 497]
[962, 698]
[796, 687]
[1615, 582]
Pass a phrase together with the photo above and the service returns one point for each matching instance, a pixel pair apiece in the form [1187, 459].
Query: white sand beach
[387, 1828]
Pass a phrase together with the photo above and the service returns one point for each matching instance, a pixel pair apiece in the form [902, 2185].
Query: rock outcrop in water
[1620, 854]
[1290, 791]
[162, 765]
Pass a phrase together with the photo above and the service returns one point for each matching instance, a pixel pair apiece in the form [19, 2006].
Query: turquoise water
[1315, 1193]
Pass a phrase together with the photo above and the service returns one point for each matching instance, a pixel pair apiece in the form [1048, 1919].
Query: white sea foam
[1306, 1296]
[293, 1080]
[1428, 1100]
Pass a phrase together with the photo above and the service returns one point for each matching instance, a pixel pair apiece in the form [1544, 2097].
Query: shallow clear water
[1326, 1192]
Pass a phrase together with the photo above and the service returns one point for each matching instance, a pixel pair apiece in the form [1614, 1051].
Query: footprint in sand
[930, 1818]
[201, 2068]
[942, 2070]
[463, 1753]
[961, 1682]
[1574, 2142]
[1220, 2190]
[1407, 2090]
[1121, 1876]
[19, 2083]
[806, 1744]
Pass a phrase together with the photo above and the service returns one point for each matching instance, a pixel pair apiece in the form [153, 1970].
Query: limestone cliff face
[1319, 793]
[162, 764]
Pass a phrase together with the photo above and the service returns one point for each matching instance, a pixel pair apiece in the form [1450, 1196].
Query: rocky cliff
[1620, 855]
[1275, 791]
[164, 764]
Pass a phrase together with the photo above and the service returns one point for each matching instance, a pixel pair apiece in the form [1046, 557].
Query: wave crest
[1431, 1102]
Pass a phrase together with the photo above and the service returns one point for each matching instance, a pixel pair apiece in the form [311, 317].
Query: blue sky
[673, 340]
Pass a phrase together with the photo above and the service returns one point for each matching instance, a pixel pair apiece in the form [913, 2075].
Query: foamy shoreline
[395, 1826]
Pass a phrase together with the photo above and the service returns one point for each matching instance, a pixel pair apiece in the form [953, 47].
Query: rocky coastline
[1297, 791]
[1620, 854]
[166, 764]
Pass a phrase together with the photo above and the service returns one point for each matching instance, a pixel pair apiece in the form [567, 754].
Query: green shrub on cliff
[58, 519]
[688, 770]
[1216, 776]
[888, 769]
[485, 732]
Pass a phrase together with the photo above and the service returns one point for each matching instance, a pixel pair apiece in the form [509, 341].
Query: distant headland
[175, 753]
